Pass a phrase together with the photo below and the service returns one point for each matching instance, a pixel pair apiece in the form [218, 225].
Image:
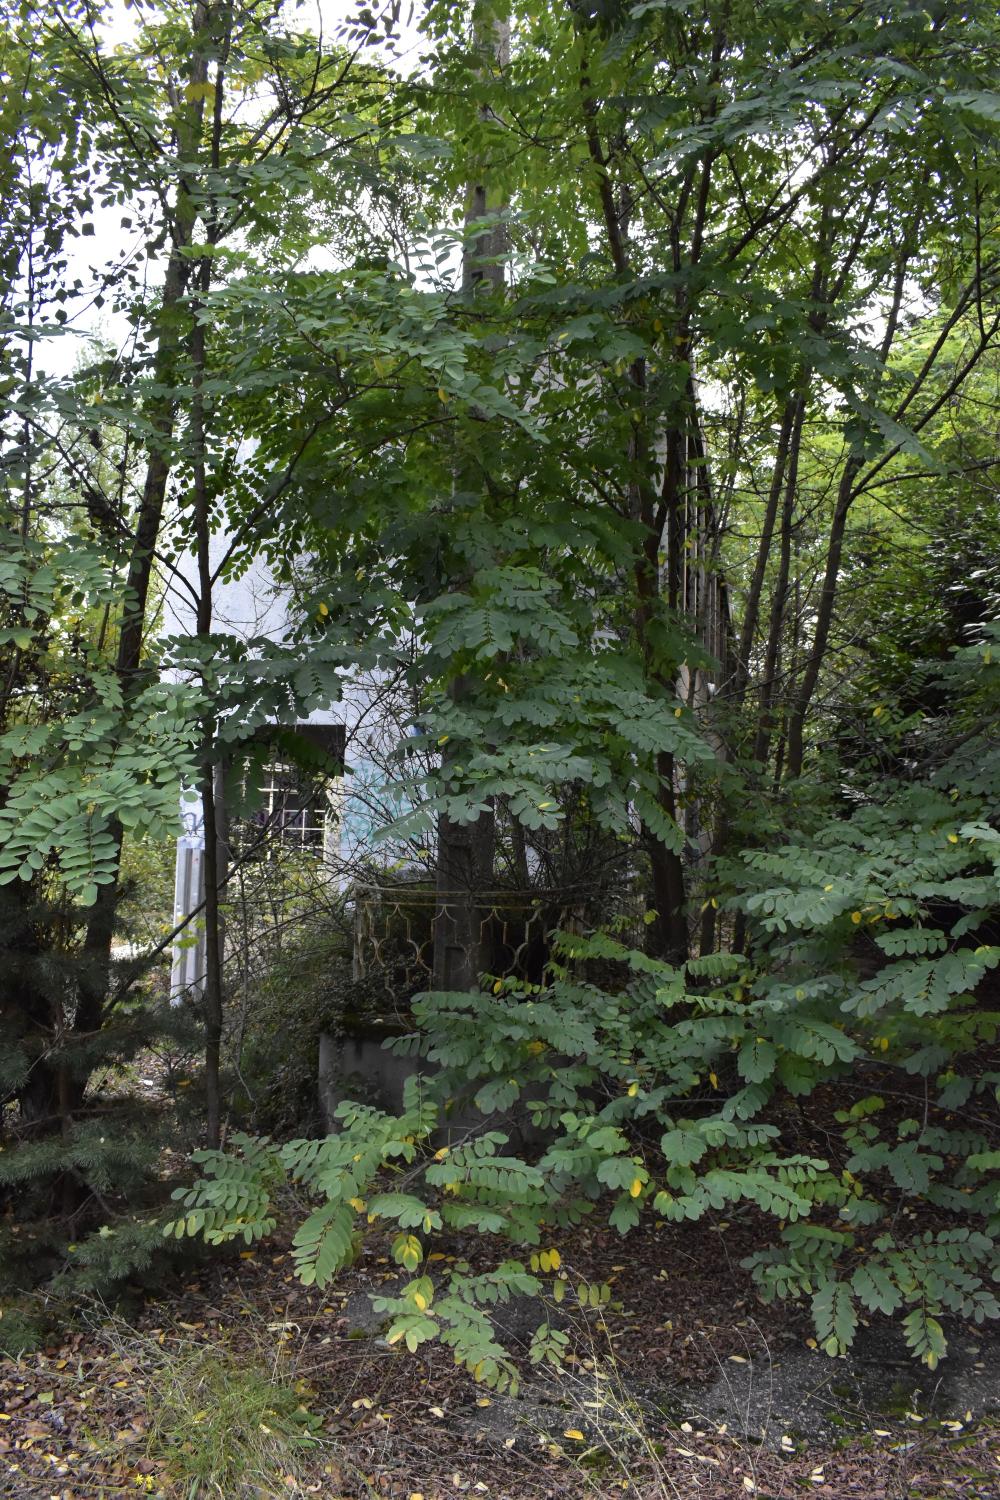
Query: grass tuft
[224, 1425]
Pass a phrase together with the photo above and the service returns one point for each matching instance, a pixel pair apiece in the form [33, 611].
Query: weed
[225, 1424]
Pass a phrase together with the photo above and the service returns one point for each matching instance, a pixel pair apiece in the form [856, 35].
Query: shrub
[670, 1093]
[276, 1027]
[24, 1328]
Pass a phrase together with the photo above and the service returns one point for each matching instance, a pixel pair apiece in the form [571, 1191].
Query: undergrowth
[223, 1422]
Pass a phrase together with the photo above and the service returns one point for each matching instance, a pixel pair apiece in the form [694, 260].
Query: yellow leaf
[855, 917]
[636, 1187]
[575, 1434]
[442, 393]
[196, 91]
[633, 1089]
[408, 1251]
[953, 838]
[324, 609]
[536, 1047]
[555, 1259]
[678, 713]
[444, 739]
[713, 1080]
[420, 1301]
[498, 987]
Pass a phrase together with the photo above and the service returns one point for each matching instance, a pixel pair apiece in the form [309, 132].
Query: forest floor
[240, 1382]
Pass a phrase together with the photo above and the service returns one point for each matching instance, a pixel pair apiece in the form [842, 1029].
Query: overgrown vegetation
[225, 1426]
[597, 413]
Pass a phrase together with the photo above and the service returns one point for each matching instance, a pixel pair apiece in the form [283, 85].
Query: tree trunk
[824, 620]
[465, 850]
[139, 574]
[779, 598]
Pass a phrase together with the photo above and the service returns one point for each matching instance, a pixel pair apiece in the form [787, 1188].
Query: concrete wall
[362, 1069]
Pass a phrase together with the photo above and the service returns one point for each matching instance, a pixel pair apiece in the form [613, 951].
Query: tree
[603, 520]
[97, 736]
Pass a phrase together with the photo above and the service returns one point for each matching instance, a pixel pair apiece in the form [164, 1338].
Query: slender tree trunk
[846, 492]
[465, 851]
[751, 615]
[211, 785]
[779, 598]
[139, 572]
[668, 936]
[212, 776]
[824, 620]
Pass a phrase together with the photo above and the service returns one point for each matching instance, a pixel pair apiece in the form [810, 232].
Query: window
[295, 808]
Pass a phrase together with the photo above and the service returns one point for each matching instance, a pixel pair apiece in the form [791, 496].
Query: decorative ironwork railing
[395, 925]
